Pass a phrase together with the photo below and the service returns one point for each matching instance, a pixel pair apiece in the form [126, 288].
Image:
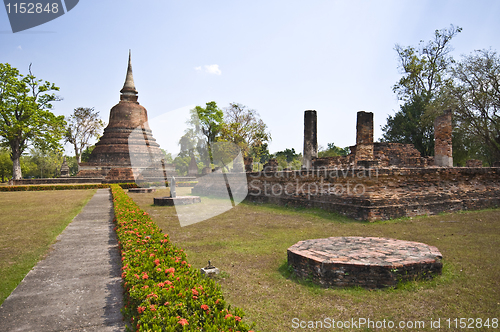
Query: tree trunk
[78, 154]
[16, 161]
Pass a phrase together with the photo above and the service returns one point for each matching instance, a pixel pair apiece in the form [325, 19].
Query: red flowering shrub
[163, 292]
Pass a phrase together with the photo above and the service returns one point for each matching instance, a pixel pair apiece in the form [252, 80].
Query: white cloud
[19, 48]
[213, 69]
[210, 69]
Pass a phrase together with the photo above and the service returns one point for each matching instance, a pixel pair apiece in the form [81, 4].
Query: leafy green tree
[181, 163]
[425, 76]
[424, 67]
[25, 117]
[475, 96]
[208, 121]
[72, 164]
[30, 169]
[411, 126]
[86, 153]
[261, 153]
[83, 125]
[243, 127]
[167, 156]
[281, 160]
[289, 154]
[5, 165]
[47, 163]
[332, 151]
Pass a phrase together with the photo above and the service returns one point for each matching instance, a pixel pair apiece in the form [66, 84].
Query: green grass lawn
[249, 243]
[29, 223]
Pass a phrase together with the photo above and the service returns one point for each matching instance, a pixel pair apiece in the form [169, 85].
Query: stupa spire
[128, 92]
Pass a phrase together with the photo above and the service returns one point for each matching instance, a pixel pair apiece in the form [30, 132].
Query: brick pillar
[442, 140]
[364, 136]
[310, 138]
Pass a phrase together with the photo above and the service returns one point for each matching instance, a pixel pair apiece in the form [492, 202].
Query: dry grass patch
[29, 222]
[249, 243]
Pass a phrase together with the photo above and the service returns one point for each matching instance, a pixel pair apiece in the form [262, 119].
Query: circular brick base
[371, 262]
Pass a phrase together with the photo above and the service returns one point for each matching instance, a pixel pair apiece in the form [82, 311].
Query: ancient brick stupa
[127, 150]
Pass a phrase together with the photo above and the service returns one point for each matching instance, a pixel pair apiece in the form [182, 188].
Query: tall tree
[260, 153]
[243, 127]
[208, 122]
[47, 164]
[475, 98]
[25, 116]
[425, 75]
[424, 67]
[83, 125]
[410, 125]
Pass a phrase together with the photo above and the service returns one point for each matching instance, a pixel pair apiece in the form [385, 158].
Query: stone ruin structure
[367, 153]
[442, 140]
[127, 150]
[376, 181]
[310, 138]
[64, 169]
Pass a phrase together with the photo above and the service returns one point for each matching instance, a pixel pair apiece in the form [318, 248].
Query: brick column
[310, 138]
[442, 140]
[364, 136]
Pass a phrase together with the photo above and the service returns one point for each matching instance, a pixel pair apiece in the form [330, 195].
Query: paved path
[77, 286]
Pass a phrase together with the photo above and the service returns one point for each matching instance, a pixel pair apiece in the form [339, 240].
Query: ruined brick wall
[442, 140]
[385, 155]
[373, 194]
[399, 154]
[364, 136]
[271, 165]
[474, 163]
[332, 162]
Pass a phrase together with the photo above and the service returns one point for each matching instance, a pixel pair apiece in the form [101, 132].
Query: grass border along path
[29, 224]
[162, 291]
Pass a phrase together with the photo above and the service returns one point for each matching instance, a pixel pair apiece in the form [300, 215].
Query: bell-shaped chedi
[127, 150]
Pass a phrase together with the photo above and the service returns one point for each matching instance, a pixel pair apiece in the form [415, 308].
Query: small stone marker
[174, 199]
[173, 193]
[210, 270]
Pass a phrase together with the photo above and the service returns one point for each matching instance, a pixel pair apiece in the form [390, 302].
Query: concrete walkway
[77, 286]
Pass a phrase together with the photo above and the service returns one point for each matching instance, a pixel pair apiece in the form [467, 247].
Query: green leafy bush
[162, 291]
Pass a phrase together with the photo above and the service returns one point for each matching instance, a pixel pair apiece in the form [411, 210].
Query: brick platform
[179, 200]
[370, 262]
[141, 190]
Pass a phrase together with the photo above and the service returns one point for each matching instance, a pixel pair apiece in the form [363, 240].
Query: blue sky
[277, 57]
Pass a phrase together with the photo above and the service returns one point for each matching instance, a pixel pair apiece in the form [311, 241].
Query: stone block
[179, 200]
